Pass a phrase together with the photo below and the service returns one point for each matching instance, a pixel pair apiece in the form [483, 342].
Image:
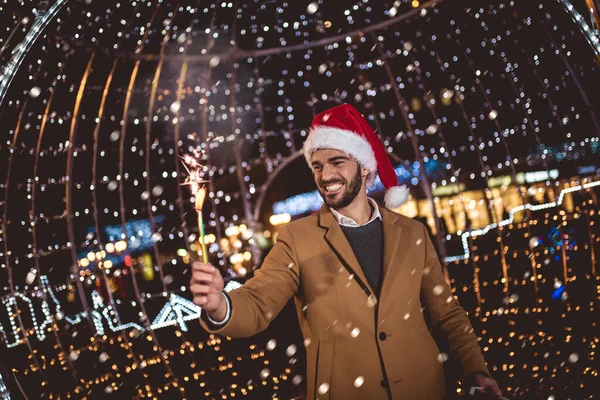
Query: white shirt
[227, 316]
[347, 221]
[342, 220]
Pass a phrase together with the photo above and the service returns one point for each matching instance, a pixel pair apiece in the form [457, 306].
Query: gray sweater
[367, 243]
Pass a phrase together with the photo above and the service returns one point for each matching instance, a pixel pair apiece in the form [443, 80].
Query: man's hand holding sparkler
[207, 287]
[206, 283]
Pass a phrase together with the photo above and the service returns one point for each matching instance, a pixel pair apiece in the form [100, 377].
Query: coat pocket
[324, 365]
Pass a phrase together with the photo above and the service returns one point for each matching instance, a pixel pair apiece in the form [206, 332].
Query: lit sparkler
[197, 187]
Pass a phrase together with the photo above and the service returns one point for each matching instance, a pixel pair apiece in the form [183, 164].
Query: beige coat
[354, 346]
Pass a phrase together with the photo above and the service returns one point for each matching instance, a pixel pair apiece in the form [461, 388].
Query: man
[356, 271]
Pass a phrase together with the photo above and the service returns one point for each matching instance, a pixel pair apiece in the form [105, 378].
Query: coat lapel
[392, 235]
[335, 237]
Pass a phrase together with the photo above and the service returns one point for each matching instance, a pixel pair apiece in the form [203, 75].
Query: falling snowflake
[324, 388]
[358, 382]
[438, 289]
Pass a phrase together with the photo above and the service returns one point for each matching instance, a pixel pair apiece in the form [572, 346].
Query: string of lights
[479, 232]
[42, 19]
[4, 395]
[34, 273]
[592, 39]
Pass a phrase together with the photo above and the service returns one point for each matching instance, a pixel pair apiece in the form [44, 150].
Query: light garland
[533, 207]
[175, 312]
[4, 395]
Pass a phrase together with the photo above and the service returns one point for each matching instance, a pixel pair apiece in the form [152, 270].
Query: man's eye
[338, 163]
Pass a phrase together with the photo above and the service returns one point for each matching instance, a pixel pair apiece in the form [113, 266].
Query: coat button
[382, 336]
[384, 383]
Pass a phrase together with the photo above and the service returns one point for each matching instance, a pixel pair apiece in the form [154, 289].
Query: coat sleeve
[446, 310]
[261, 298]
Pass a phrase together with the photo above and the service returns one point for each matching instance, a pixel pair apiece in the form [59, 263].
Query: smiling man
[357, 272]
[337, 191]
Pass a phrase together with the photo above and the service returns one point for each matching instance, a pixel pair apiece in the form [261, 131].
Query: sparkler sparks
[194, 179]
[197, 186]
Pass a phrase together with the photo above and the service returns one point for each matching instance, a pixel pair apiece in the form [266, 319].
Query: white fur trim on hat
[396, 196]
[325, 137]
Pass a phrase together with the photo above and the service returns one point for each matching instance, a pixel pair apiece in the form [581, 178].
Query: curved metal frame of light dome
[158, 348]
[94, 206]
[591, 38]
[14, 64]
[237, 54]
[20, 52]
[147, 155]
[594, 43]
[489, 206]
[94, 181]
[42, 20]
[520, 189]
[499, 233]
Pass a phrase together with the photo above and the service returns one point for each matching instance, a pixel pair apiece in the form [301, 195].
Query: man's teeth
[334, 187]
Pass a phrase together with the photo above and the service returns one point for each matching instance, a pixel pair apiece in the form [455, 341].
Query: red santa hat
[344, 128]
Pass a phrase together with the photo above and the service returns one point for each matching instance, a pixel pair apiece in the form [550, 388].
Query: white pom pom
[396, 196]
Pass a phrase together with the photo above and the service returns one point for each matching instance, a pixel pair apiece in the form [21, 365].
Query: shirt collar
[349, 222]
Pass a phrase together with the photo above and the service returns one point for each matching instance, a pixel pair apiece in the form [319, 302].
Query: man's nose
[328, 173]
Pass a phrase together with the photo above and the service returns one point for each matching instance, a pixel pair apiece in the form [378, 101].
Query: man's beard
[351, 190]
